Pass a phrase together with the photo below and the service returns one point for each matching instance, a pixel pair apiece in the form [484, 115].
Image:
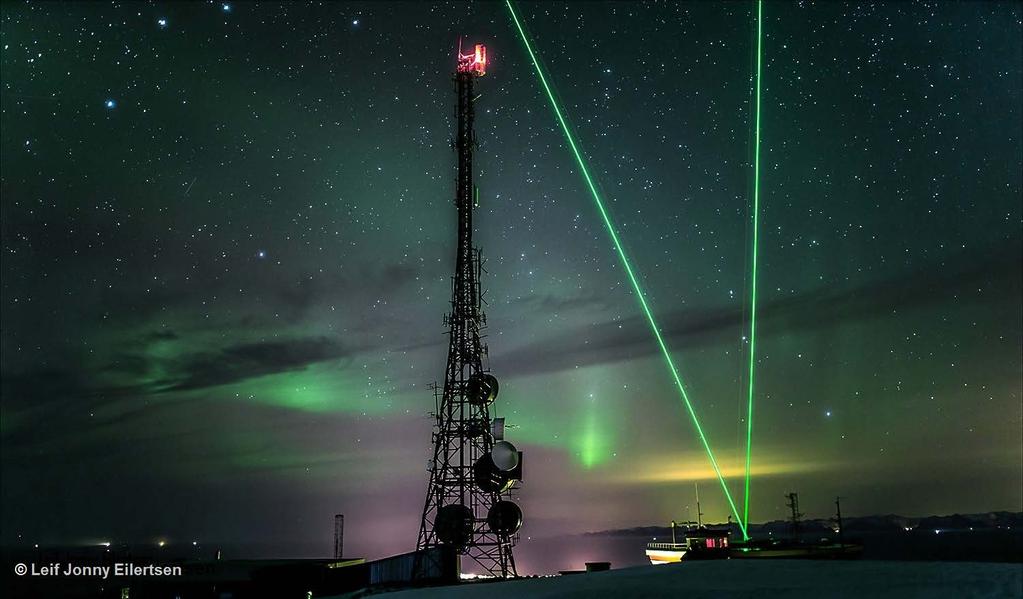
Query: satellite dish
[454, 524]
[481, 388]
[505, 456]
[504, 518]
[489, 477]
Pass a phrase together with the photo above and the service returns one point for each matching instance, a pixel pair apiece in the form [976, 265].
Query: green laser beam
[753, 292]
[625, 262]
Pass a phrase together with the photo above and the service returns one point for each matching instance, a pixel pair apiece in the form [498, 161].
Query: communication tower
[473, 468]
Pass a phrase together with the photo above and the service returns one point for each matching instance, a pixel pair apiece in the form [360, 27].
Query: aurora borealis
[227, 233]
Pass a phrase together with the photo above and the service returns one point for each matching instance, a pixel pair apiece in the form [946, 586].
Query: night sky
[228, 232]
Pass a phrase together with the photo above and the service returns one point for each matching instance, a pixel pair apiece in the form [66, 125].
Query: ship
[697, 543]
[796, 548]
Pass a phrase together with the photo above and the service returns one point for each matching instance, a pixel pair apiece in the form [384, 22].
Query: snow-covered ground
[759, 578]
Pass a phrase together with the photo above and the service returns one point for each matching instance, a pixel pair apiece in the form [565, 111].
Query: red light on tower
[475, 62]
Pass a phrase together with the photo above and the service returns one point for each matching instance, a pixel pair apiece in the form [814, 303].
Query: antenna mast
[838, 520]
[339, 535]
[699, 513]
[793, 505]
[473, 468]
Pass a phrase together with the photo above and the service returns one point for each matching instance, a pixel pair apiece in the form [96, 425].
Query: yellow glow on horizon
[666, 469]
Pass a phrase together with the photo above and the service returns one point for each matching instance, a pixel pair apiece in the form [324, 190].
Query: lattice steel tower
[473, 467]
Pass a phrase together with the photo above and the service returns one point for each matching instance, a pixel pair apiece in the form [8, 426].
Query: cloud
[548, 303]
[958, 278]
[51, 394]
[270, 297]
[250, 360]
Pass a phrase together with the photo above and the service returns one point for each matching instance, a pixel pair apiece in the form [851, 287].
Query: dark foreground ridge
[783, 578]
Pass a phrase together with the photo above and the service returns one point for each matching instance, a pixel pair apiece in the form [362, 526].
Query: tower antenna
[793, 505]
[339, 535]
[473, 468]
[699, 512]
[838, 521]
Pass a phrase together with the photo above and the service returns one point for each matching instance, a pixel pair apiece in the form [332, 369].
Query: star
[161, 22]
[110, 104]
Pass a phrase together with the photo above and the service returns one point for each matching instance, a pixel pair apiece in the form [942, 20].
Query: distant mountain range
[854, 524]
